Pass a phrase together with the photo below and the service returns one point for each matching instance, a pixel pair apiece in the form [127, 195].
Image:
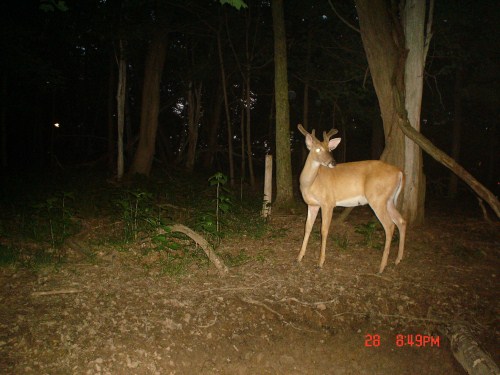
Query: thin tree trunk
[284, 190]
[194, 114]
[228, 115]
[3, 120]
[242, 143]
[456, 131]
[155, 60]
[215, 118]
[305, 120]
[248, 108]
[110, 114]
[120, 108]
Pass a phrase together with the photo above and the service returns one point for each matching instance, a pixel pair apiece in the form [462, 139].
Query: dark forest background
[59, 65]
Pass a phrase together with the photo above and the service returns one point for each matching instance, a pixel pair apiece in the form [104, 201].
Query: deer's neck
[309, 173]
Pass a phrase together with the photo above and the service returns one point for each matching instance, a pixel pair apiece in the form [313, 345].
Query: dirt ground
[113, 315]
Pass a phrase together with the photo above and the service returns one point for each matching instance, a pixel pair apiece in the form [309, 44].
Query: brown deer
[325, 185]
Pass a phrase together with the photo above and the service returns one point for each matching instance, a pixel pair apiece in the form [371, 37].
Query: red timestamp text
[412, 340]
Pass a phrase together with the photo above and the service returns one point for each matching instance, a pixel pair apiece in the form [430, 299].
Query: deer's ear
[309, 141]
[333, 143]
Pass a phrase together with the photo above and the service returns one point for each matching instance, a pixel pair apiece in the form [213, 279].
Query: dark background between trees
[61, 66]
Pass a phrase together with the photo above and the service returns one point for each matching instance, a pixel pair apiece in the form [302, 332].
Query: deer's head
[320, 151]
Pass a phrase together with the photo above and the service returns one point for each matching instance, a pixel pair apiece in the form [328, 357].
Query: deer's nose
[332, 164]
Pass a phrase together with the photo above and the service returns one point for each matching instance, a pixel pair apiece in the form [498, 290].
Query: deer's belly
[359, 200]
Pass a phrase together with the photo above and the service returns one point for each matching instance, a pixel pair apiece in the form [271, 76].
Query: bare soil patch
[116, 314]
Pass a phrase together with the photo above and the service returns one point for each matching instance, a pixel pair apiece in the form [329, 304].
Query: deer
[324, 184]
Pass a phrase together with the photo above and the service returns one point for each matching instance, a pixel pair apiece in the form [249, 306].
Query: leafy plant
[342, 241]
[367, 230]
[223, 202]
[55, 212]
[137, 212]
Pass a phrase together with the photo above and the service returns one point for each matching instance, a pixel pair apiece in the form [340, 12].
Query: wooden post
[268, 187]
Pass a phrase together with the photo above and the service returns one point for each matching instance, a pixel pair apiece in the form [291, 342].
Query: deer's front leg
[312, 212]
[326, 219]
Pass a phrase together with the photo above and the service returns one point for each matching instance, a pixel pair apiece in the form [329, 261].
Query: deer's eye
[318, 150]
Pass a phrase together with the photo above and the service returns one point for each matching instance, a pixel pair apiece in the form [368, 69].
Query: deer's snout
[332, 164]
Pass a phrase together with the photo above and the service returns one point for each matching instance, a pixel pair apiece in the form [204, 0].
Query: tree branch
[342, 18]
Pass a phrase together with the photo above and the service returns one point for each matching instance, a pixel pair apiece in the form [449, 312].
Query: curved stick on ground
[221, 267]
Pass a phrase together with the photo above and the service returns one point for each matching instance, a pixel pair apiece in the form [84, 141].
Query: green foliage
[8, 255]
[238, 4]
[223, 203]
[54, 219]
[53, 5]
[368, 230]
[342, 241]
[137, 212]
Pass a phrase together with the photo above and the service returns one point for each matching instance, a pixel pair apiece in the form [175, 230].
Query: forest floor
[116, 313]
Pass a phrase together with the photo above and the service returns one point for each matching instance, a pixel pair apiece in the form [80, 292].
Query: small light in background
[56, 125]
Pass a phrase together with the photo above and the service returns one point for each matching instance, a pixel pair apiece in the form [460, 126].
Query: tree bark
[194, 114]
[155, 60]
[284, 191]
[456, 131]
[227, 111]
[447, 161]
[120, 108]
[213, 130]
[414, 189]
[383, 41]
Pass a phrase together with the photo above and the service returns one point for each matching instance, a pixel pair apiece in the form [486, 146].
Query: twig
[261, 304]
[53, 292]
[315, 304]
[343, 19]
[485, 213]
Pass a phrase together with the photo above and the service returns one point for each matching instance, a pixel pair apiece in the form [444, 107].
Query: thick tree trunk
[447, 161]
[414, 188]
[383, 41]
[284, 191]
[155, 61]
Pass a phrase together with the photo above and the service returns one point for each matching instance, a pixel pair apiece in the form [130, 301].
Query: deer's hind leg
[385, 219]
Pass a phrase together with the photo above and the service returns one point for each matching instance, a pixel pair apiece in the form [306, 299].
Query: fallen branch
[467, 351]
[53, 292]
[219, 264]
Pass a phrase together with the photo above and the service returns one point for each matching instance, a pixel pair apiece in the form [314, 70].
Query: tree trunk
[284, 190]
[110, 113]
[213, 130]
[194, 114]
[248, 111]
[398, 73]
[456, 131]
[305, 119]
[414, 188]
[228, 115]
[3, 121]
[155, 60]
[447, 161]
[120, 108]
[383, 41]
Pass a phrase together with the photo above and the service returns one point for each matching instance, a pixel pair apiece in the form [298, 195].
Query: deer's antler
[327, 136]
